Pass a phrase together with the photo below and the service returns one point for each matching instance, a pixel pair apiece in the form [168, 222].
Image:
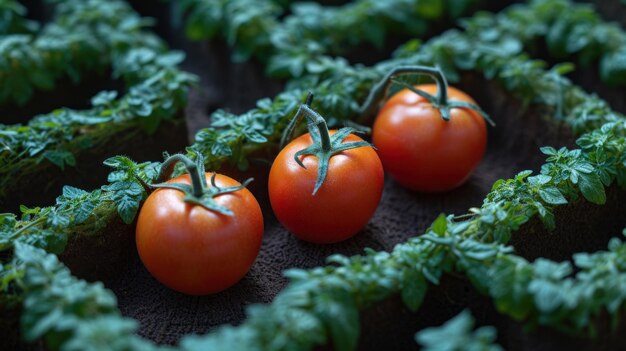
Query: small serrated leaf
[552, 195]
[414, 290]
[592, 188]
[440, 225]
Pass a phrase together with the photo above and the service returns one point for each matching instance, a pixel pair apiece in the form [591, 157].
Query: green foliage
[341, 88]
[564, 27]
[310, 30]
[549, 293]
[13, 20]
[457, 335]
[84, 36]
[156, 91]
[292, 45]
[79, 211]
[71, 314]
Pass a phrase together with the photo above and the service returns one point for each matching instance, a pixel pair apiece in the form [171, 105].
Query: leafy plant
[111, 33]
[456, 335]
[84, 36]
[566, 28]
[13, 20]
[310, 30]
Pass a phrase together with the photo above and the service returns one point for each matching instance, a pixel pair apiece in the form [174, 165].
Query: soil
[611, 10]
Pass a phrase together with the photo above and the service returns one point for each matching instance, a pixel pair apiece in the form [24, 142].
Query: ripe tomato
[422, 151]
[343, 204]
[195, 250]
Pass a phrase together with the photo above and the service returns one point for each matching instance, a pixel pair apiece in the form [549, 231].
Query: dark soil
[611, 10]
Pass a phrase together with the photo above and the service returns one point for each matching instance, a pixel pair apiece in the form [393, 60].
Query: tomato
[196, 250]
[421, 150]
[344, 203]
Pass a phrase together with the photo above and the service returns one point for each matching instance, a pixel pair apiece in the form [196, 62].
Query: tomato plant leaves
[60, 158]
[592, 188]
[339, 313]
[552, 196]
[457, 334]
[128, 196]
[414, 289]
[440, 225]
[68, 311]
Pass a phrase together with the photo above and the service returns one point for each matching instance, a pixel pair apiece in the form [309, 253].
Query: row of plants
[576, 301]
[13, 20]
[327, 298]
[290, 41]
[300, 42]
[82, 37]
[567, 30]
[512, 202]
[86, 36]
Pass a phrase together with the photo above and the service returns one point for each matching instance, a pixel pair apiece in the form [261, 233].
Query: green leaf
[339, 313]
[60, 158]
[414, 289]
[440, 225]
[127, 207]
[547, 296]
[104, 98]
[456, 334]
[254, 136]
[128, 196]
[548, 150]
[84, 210]
[592, 188]
[71, 192]
[552, 195]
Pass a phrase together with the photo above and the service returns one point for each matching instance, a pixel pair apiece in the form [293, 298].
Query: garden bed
[525, 122]
[401, 215]
[41, 154]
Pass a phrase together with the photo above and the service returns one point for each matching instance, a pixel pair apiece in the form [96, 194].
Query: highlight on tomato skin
[200, 245]
[423, 152]
[344, 203]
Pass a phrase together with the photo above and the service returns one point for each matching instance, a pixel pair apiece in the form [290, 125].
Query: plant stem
[440, 80]
[197, 179]
[29, 225]
[324, 133]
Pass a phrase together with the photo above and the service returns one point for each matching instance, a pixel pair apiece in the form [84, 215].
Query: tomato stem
[324, 145]
[440, 101]
[197, 180]
[199, 193]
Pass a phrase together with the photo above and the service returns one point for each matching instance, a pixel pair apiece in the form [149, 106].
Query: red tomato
[421, 150]
[341, 207]
[194, 250]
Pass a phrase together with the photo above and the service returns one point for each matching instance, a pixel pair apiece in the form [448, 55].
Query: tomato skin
[423, 152]
[194, 250]
[341, 207]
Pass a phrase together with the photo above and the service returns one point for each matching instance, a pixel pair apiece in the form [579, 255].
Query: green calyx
[439, 101]
[324, 145]
[198, 193]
